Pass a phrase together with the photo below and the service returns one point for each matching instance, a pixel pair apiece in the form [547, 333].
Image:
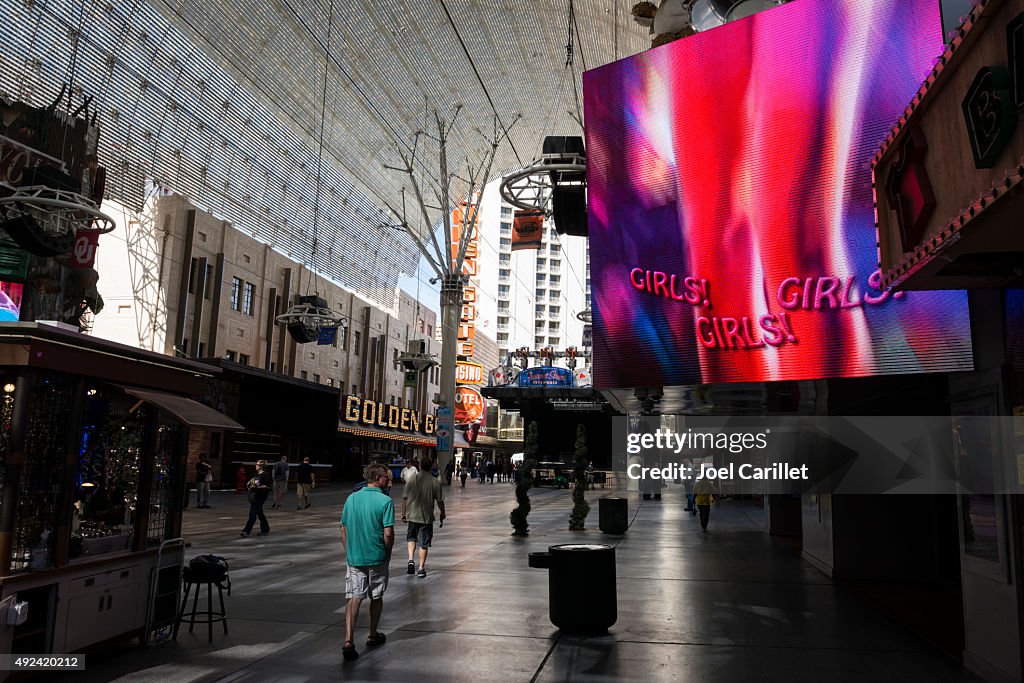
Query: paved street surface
[730, 605]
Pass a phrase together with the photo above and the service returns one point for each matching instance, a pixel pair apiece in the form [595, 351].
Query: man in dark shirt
[259, 488]
[304, 484]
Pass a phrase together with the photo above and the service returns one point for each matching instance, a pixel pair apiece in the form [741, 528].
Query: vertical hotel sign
[467, 321]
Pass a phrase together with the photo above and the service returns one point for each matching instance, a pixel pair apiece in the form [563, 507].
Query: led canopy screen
[731, 220]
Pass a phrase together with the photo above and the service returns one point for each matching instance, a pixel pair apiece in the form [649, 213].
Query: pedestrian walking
[368, 534]
[204, 476]
[410, 471]
[280, 480]
[418, 510]
[463, 474]
[704, 492]
[449, 471]
[259, 489]
[305, 482]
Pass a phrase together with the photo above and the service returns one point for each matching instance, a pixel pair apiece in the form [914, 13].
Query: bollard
[581, 586]
[613, 515]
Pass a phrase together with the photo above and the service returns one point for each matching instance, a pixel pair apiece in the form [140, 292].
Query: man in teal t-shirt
[368, 534]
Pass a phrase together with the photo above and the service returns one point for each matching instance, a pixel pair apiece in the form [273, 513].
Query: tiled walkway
[731, 605]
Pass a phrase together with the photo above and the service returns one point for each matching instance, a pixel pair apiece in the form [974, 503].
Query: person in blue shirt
[368, 534]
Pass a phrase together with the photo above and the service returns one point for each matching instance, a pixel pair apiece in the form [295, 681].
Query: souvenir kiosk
[93, 447]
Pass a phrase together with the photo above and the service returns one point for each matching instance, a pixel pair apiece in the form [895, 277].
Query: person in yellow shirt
[704, 491]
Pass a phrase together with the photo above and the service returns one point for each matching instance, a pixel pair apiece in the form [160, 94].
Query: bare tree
[422, 220]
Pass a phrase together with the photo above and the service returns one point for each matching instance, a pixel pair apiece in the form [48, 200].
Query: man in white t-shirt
[410, 471]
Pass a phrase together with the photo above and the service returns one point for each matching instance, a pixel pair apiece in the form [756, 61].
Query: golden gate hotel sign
[467, 328]
[355, 410]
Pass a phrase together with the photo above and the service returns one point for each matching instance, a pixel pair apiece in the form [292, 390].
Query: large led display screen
[731, 219]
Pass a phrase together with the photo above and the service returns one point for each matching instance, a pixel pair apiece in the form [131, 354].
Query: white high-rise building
[530, 298]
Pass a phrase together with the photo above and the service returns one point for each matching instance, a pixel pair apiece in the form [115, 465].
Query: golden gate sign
[386, 415]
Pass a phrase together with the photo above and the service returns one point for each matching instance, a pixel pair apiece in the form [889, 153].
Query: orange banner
[527, 229]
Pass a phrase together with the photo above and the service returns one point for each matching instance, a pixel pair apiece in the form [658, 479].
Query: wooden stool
[211, 616]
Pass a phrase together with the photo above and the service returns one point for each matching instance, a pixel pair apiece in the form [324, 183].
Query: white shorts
[363, 582]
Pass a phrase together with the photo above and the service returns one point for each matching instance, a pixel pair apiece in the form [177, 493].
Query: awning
[411, 439]
[192, 413]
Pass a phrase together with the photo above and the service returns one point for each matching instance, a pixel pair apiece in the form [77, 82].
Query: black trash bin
[613, 515]
[581, 586]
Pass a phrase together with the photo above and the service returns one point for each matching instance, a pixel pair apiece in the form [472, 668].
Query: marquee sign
[385, 415]
[467, 372]
[467, 325]
[547, 377]
[469, 405]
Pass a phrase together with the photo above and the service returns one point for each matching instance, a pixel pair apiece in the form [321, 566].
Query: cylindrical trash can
[613, 515]
[581, 586]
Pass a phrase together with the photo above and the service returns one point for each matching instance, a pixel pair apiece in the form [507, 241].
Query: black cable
[320, 155]
[480, 80]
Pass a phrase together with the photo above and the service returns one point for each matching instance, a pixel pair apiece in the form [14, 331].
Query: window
[247, 301]
[555, 294]
[556, 280]
[553, 326]
[355, 389]
[503, 337]
[430, 330]
[230, 355]
[236, 294]
[553, 249]
[243, 358]
[541, 264]
[506, 211]
[208, 283]
[540, 309]
[343, 333]
[330, 381]
[355, 340]
[504, 259]
[504, 275]
[540, 278]
[505, 243]
[554, 341]
[539, 326]
[540, 293]
[538, 340]
[556, 266]
[503, 290]
[316, 378]
[304, 375]
[554, 311]
[503, 307]
[505, 230]
[192, 276]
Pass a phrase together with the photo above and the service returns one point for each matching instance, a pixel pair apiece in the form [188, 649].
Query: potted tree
[580, 507]
[520, 527]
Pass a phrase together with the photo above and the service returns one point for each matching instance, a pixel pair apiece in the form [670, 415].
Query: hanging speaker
[568, 194]
[25, 230]
[569, 209]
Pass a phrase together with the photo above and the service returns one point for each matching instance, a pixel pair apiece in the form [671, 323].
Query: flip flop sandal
[348, 651]
[376, 639]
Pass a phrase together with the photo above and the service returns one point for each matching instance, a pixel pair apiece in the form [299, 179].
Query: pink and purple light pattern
[740, 158]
